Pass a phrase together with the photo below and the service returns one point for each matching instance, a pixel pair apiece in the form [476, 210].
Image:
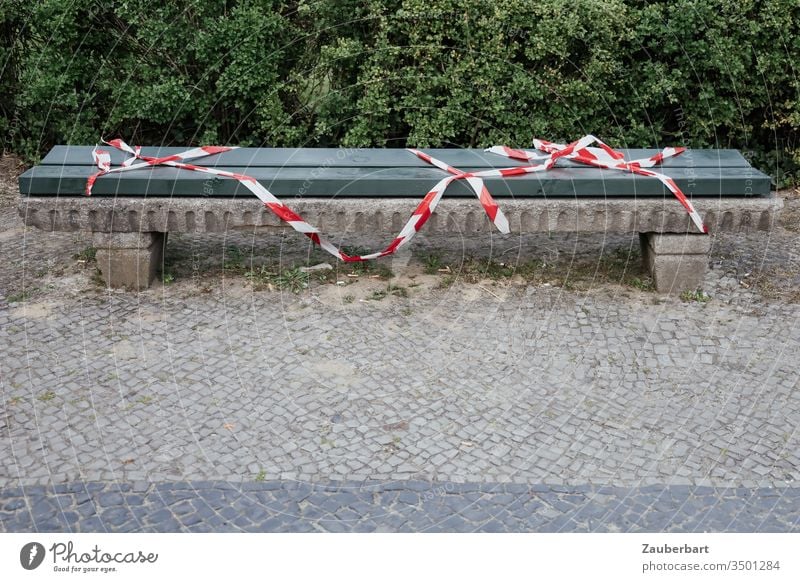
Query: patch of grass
[697, 296]
[293, 280]
[46, 396]
[325, 275]
[382, 271]
[19, 297]
[396, 290]
[391, 290]
[432, 264]
[378, 295]
[233, 259]
[261, 476]
[446, 281]
[364, 267]
[370, 268]
[496, 271]
[265, 277]
[643, 284]
[473, 270]
[87, 255]
[621, 267]
[355, 251]
[259, 277]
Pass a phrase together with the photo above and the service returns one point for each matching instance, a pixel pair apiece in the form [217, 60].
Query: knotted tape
[578, 151]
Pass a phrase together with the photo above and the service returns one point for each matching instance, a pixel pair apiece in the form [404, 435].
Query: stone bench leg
[677, 262]
[129, 259]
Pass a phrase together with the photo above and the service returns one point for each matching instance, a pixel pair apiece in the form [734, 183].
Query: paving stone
[408, 497]
[116, 516]
[110, 499]
[14, 504]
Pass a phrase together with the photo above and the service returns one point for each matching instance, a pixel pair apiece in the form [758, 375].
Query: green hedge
[703, 73]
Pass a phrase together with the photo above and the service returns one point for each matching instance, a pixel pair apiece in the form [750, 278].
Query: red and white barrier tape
[602, 157]
[579, 151]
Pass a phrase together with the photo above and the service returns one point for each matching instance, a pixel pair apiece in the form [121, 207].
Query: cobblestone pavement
[290, 506]
[496, 404]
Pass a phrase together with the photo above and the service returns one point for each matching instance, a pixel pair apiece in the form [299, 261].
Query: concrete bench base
[677, 262]
[130, 233]
[129, 259]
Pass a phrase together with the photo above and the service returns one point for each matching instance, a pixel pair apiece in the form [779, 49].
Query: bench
[374, 191]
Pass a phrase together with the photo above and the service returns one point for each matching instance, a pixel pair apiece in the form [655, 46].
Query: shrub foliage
[702, 73]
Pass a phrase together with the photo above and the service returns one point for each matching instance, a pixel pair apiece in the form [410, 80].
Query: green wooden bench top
[376, 173]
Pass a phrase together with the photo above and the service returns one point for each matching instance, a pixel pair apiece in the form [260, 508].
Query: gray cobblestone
[654, 508]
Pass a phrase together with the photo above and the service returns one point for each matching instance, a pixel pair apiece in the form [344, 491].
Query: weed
[391, 290]
[47, 396]
[261, 476]
[19, 297]
[233, 259]
[293, 280]
[366, 267]
[168, 278]
[698, 296]
[446, 281]
[354, 251]
[495, 271]
[369, 268]
[396, 290]
[87, 255]
[259, 277]
[473, 270]
[325, 275]
[432, 264]
[641, 284]
[348, 299]
[382, 271]
[378, 295]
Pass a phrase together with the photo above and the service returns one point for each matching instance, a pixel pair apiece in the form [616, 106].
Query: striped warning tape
[602, 157]
[579, 151]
